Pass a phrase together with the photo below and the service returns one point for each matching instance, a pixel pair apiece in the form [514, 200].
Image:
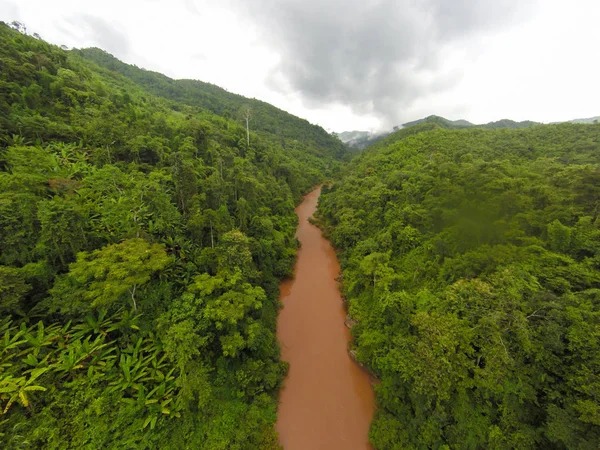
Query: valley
[184, 267]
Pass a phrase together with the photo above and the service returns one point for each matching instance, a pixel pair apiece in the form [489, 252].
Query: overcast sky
[354, 64]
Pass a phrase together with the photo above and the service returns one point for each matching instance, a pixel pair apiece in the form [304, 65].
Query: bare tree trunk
[248, 130]
[133, 297]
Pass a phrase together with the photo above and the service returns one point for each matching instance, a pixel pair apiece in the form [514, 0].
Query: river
[327, 400]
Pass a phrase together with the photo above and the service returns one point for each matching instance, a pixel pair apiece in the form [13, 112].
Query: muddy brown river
[327, 401]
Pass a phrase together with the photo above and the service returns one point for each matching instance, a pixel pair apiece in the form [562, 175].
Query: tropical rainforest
[471, 265]
[142, 241]
[145, 225]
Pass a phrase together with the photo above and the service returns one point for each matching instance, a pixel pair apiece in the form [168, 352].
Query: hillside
[441, 121]
[589, 120]
[471, 267]
[359, 140]
[279, 126]
[458, 124]
[142, 241]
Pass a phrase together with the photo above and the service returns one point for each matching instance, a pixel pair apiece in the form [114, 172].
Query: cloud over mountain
[376, 56]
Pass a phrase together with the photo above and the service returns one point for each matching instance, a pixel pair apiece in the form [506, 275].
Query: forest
[146, 223]
[142, 241]
[470, 264]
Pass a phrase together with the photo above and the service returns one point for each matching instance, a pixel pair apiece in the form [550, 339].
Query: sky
[353, 64]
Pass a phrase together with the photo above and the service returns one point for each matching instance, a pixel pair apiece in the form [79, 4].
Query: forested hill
[359, 140]
[280, 125]
[471, 263]
[142, 241]
[459, 124]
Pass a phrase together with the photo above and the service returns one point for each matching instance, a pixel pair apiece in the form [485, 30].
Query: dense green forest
[270, 123]
[145, 225]
[461, 124]
[358, 140]
[142, 241]
[471, 263]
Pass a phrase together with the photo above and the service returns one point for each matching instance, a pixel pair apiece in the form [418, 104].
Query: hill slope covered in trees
[141, 245]
[459, 124]
[471, 262]
[358, 140]
[268, 121]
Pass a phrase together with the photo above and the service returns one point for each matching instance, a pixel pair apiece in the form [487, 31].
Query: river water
[327, 401]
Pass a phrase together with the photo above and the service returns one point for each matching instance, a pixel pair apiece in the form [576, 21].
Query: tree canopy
[142, 240]
[144, 230]
[470, 263]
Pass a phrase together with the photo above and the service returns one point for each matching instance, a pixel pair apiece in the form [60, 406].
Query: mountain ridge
[358, 139]
[264, 117]
[589, 120]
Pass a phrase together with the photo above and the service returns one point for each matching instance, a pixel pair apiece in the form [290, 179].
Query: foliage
[103, 276]
[142, 241]
[471, 262]
[458, 124]
[270, 123]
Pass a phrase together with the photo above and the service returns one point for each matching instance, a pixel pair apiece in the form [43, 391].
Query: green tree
[103, 277]
[184, 178]
[12, 289]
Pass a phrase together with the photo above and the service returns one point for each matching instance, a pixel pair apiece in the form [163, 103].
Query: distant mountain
[348, 136]
[401, 133]
[589, 120]
[507, 123]
[454, 124]
[440, 121]
[357, 140]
